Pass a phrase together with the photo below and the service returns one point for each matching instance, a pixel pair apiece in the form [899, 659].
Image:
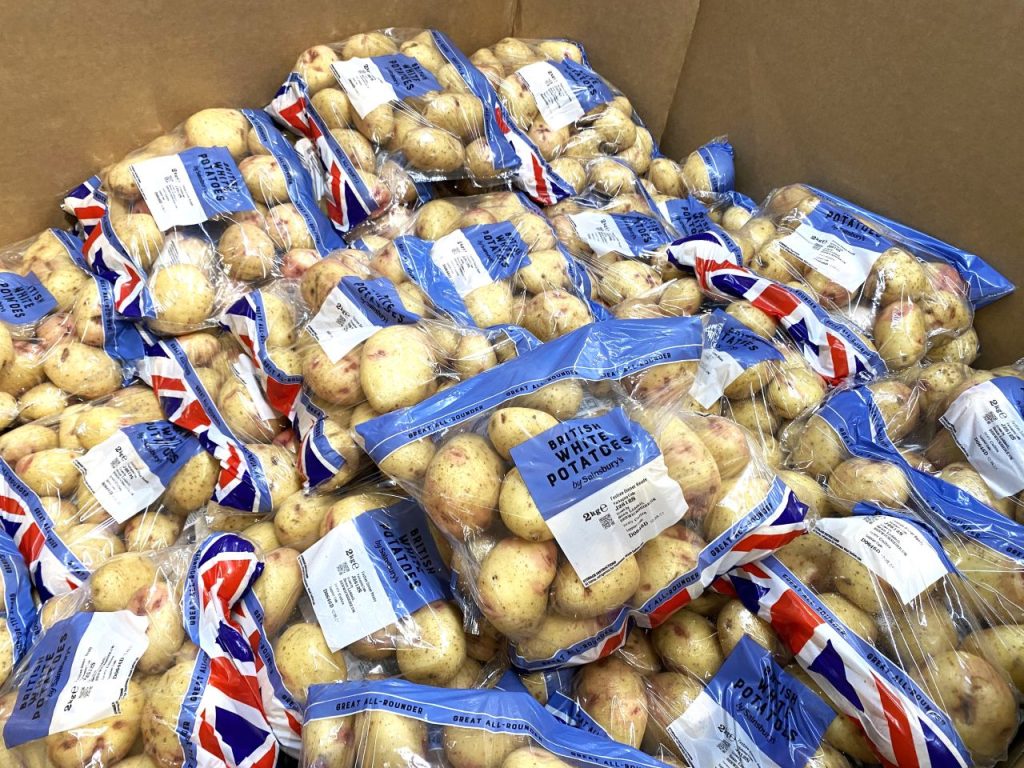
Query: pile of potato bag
[430, 416]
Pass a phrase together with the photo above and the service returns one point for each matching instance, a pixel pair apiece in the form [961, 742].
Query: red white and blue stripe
[233, 714]
[241, 482]
[902, 723]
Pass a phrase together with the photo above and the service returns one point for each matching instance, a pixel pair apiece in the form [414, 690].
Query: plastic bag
[61, 340]
[411, 93]
[162, 654]
[558, 112]
[185, 225]
[914, 299]
[18, 610]
[379, 722]
[706, 172]
[884, 640]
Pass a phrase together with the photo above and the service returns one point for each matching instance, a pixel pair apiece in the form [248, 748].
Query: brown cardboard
[913, 109]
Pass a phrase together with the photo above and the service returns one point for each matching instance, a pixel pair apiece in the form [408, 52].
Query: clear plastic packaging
[18, 612]
[410, 93]
[183, 226]
[706, 172]
[559, 112]
[61, 340]
[165, 655]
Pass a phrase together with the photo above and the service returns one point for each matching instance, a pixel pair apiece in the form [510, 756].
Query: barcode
[990, 417]
[725, 745]
[343, 568]
[554, 94]
[606, 521]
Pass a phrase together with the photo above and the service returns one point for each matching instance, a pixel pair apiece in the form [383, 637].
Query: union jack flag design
[833, 350]
[246, 319]
[241, 483]
[53, 567]
[105, 254]
[534, 176]
[318, 461]
[905, 728]
[774, 522]
[349, 202]
[237, 712]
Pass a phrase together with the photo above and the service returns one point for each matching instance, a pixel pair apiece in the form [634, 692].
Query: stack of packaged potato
[431, 416]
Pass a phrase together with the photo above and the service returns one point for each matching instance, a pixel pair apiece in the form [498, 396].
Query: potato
[114, 583]
[570, 598]
[508, 427]
[919, 631]
[278, 588]
[739, 497]
[555, 633]
[561, 399]
[433, 150]
[860, 621]
[474, 748]
[436, 219]
[669, 695]
[193, 485]
[165, 632]
[725, 441]
[151, 531]
[734, 621]
[459, 114]
[462, 485]
[554, 313]
[615, 696]
[81, 370]
[843, 733]
[219, 128]
[297, 521]
[8, 410]
[333, 106]
[304, 659]
[338, 383]
[688, 642]
[103, 742]
[946, 313]
[961, 349]
[756, 320]
[438, 650]
[247, 251]
[323, 275]
[899, 405]
[409, 463]
[964, 476]
[279, 469]
[518, 511]
[663, 559]
[397, 368]
[490, 304]
[160, 714]
[691, 465]
[50, 472]
[807, 490]
[900, 335]
[24, 371]
[513, 584]
[978, 701]
[330, 742]
[391, 741]
[794, 391]
[896, 275]
[1003, 646]
[184, 297]
[627, 279]
[876, 482]
[819, 449]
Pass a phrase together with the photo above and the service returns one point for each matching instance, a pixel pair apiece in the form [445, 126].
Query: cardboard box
[911, 109]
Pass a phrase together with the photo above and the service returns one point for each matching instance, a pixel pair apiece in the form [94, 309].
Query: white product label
[246, 372]
[168, 192]
[555, 100]
[340, 326]
[990, 432]
[895, 551]
[709, 737]
[104, 660]
[839, 261]
[364, 84]
[599, 231]
[121, 481]
[456, 257]
[716, 371]
[618, 519]
[346, 591]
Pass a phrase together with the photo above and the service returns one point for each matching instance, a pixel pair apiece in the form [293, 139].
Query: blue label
[596, 352]
[23, 299]
[986, 284]
[588, 87]
[20, 614]
[727, 334]
[405, 556]
[642, 233]
[216, 180]
[163, 447]
[406, 75]
[318, 461]
[378, 300]
[298, 182]
[485, 710]
[686, 215]
[740, 200]
[781, 715]
[718, 159]
[846, 227]
[568, 711]
[578, 457]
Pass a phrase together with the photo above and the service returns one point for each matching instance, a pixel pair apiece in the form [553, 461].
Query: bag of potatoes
[61, 340]
[185, 225]
[408, 93]
[831, 343]
[883, 621]
[559, 112]
[18, 612]
[389, 722]
[706, 172]
[164, 655]
[205, 384]
[978, 438]
[548, 478]
[490, 260]
[914, 296]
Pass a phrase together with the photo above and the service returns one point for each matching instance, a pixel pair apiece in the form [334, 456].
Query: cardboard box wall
[913, 109]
